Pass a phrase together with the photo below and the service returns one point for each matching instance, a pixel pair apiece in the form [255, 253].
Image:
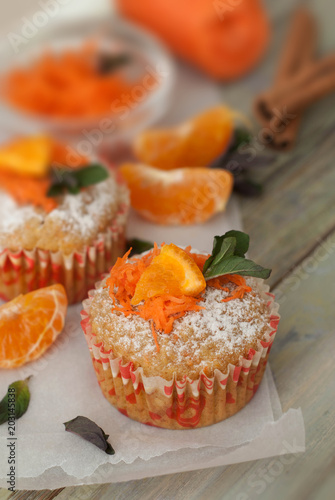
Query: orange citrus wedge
[172, 272]
[195, 143]
[30, 323]
[181, 196]
[29, 156]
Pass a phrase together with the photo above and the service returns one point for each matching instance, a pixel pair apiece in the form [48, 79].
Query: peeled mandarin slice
[177, 197]
[172, 272]
[30, 156]
[30, 323]
[195, 143]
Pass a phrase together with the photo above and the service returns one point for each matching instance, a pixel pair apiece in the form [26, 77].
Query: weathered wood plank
[298, 204]
[4, 494]
[298, 209]
[36, 495]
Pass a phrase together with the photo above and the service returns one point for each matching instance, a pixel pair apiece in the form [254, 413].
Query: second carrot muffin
[57, 224]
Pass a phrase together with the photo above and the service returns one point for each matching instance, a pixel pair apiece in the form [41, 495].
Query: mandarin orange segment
[177, 197]
[195, 143]
[29, 156]
[30, 323]
[172, 272]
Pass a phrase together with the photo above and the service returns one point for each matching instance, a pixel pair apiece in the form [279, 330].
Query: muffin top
[201, 340]
[207, 336]
[74, 223]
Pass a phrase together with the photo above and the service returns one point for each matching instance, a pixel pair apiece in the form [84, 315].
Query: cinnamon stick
[300, 45]
[298, 52]
[303, 89]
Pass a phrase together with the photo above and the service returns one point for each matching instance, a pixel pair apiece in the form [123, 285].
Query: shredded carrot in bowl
[67, 85]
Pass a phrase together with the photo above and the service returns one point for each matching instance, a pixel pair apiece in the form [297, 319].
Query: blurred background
[68, 9]
[95, 75]
[102, 76]
[203, 53]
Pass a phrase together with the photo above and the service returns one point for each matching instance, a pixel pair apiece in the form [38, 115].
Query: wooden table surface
[292, 229]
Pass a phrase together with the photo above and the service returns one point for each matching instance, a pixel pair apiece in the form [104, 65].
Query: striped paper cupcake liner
[179, 404]
[23, 271]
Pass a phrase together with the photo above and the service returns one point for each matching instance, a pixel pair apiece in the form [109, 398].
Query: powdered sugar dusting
[207, 339]
[82, 212]
[76, 222]
[13, 216]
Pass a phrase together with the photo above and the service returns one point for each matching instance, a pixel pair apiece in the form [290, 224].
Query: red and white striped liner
[25, 270]
[183, 395]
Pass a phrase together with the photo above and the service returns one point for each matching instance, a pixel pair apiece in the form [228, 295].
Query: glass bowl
[144, 104]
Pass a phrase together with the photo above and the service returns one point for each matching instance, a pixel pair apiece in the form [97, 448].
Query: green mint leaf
[227, 249]
[242, 136]
[91, 432]
[55, 190]
[237, 265]
[219, 251]
[217, 243]
[91, 174]
[71, 181]
[242, 242]
[228, 257]
[73, 189]
[139, 246]
[16, 401]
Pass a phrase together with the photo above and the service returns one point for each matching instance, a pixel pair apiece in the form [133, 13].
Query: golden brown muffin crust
[74, 224]
[201, 340]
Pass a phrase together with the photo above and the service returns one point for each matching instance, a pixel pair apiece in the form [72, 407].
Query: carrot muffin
[62, 226]
[177, 343]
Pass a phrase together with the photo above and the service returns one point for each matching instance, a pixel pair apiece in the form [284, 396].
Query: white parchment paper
[64, 385]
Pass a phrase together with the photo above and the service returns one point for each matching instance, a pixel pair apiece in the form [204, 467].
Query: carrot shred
[154, 334]
[28, 190]
[161, 310]
[69, 85]
[240, 289]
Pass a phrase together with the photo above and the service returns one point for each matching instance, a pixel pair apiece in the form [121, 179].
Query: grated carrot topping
[161, 310]
[240, 289]
[154, 334]
[28, 190]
